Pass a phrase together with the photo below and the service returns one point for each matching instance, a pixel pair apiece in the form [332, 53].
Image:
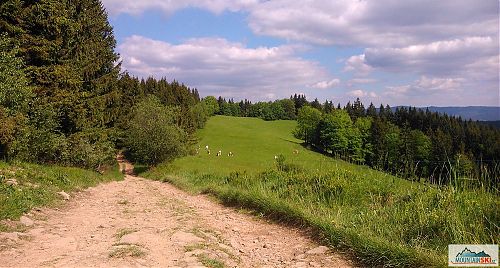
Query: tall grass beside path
[25, 186]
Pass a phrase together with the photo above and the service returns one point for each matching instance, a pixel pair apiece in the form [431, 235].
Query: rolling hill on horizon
[476, 113]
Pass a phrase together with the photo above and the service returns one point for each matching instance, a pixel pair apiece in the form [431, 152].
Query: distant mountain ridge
[479, 113]
[468, 253]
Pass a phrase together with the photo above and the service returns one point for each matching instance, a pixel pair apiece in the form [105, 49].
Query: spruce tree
[371, 111]
[96, 61]
[68, 48]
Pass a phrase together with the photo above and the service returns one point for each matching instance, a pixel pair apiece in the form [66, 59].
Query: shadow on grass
[291, 141]
[314, 148]
[140, 168]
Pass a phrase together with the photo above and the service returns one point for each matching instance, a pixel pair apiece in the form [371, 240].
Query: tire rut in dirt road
[138, 222]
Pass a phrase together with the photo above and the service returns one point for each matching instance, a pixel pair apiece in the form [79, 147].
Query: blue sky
[423, 53]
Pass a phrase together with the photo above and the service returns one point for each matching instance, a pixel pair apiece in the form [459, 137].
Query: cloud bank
[443, 44]
[223, 67]
[387, 23]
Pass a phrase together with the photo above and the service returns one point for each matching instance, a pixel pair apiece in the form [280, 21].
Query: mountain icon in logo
[467, 253]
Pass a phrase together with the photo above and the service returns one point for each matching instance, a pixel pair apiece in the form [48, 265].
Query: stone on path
[318, 250]
[64, 195]
[26, 221]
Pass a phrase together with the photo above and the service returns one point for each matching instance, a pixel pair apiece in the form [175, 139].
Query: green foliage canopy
[211, 104]
[15, 92]
[153, 135]
[307, 119]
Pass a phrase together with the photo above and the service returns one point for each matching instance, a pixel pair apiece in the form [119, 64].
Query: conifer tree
[96, 61]
[371, 111]
[68, 47]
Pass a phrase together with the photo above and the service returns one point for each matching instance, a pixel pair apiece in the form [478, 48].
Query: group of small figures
[219, 153]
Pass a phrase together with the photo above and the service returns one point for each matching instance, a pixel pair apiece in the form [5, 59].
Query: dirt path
[138, 222]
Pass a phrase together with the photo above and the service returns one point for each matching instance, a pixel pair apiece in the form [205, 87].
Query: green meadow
[374, 217]
[254, 144]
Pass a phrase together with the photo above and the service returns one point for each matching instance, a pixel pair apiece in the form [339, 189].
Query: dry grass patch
[124, 231]
[210, 262]
[122, 251]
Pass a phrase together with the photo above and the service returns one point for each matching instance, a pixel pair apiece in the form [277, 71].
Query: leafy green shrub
[153, 136]
[91, 149]
[199, 114]
[10, 127]
[15, 94]
[39, 141]
[39, 146]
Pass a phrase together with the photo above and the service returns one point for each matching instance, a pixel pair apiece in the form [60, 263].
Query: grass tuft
[123, 232]
[210, 262]
[127, 251]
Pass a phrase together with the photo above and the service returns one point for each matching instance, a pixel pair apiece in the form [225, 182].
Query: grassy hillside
[381, 219]
[26, 186]
[254, 143]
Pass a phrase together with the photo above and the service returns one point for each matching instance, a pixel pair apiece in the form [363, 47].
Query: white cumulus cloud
[432, 91]
[218, 66]
[359, 93]
[327, 84]
[449, 44]
[441, 57]
[388, 23]
[469, 66]
[358, 65]
[135, 7]
[427, 85]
